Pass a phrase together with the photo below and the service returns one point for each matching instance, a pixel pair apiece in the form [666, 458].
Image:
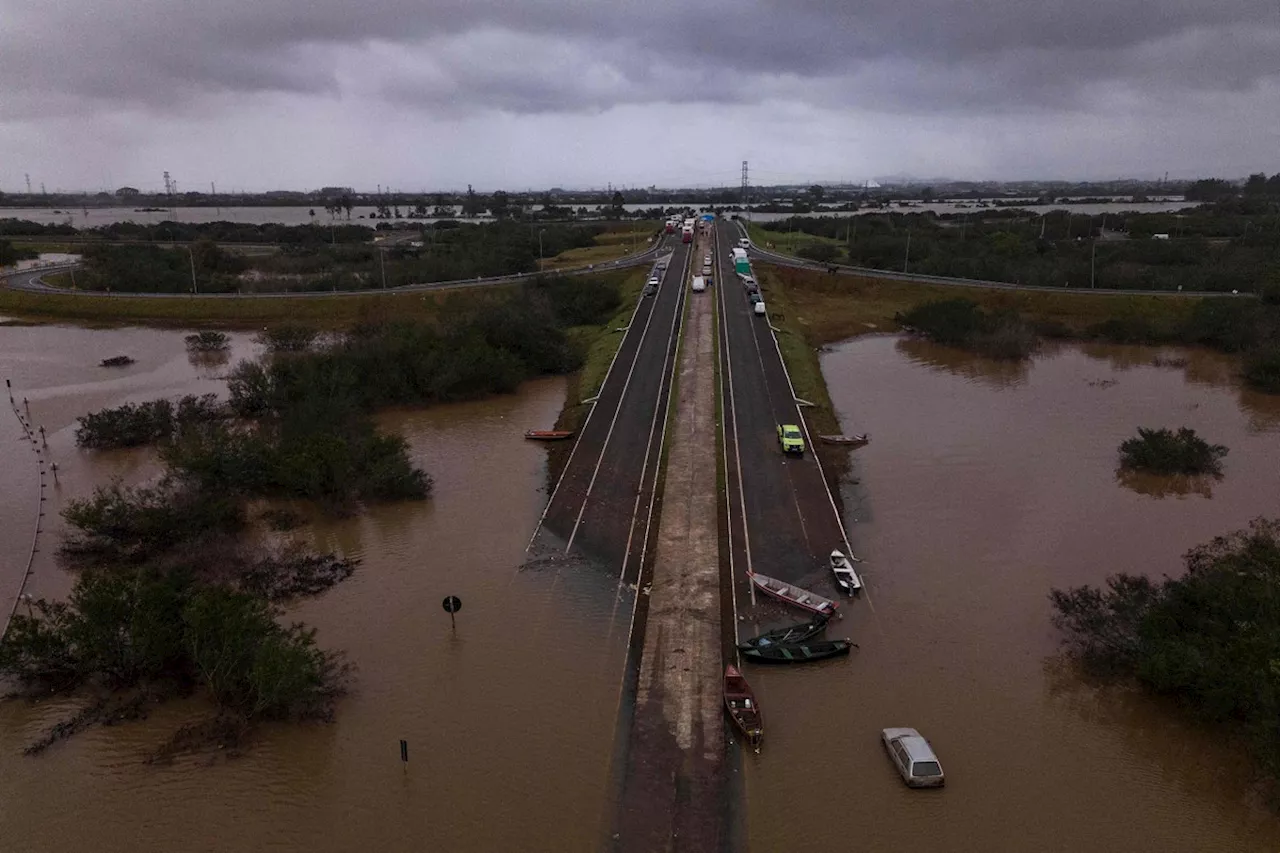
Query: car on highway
[914, 758]
[706, 260]
[653, 281]
[791, 439]
[758, 308]
[754, 297]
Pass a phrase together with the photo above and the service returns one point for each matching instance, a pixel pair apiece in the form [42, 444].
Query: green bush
[133, 425]
[129, 628]
[963, 323]
[136, 524]
[1162, 451]
[1262, 369]
[1210, 638]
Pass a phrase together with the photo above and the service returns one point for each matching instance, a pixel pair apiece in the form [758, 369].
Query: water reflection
[1000, 373]
[209, 365]
[1149, 727]
[1167, 485]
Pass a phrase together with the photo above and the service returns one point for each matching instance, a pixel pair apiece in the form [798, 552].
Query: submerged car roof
[917, 748]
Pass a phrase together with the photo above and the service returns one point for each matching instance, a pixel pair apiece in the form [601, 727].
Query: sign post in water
[452, 604]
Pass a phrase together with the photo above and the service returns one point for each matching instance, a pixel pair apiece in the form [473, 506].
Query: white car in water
[914, 758]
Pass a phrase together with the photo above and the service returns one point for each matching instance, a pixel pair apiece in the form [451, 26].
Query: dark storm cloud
[916, 56]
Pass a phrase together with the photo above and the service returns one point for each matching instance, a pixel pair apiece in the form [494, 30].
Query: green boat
[797, 652]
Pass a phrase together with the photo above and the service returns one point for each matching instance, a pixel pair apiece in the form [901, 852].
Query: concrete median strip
[677, 738]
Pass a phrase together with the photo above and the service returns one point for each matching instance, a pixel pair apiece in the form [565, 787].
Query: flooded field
[509, 720]
[985, 485]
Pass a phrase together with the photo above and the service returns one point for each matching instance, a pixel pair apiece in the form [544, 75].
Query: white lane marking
[737, 447]
[668, 368]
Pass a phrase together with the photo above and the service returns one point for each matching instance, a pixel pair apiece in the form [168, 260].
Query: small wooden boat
[790, 634]
[740, 702]
[798, 652]
[802, 598]
[846, 577]
[852, 440]
[548, 434]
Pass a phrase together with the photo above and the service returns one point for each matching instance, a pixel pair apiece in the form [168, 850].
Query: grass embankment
[609, 246]
[789, 242]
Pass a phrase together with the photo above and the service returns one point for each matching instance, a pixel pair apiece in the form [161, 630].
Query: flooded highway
[983, 487]
[986, 484]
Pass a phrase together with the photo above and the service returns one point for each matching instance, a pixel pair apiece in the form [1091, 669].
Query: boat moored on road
[798, 652]
[851, 440]
[790, 634]
[801, 598]
[548, 434]
[740, 702]
[846, 577]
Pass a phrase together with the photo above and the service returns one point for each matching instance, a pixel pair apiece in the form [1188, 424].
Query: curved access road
[779, 259]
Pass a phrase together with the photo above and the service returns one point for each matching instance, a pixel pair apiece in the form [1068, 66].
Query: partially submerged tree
[1162, 451]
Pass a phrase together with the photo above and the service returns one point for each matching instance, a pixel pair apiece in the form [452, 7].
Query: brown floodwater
[986, 484]
[509, 720]
[983, 487]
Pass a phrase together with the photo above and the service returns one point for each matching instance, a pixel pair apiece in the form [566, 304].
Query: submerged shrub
[1162, 451]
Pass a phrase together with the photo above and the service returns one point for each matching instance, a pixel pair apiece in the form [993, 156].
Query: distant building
[128, 192]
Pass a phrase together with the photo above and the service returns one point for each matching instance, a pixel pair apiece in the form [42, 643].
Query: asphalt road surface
[602, 505]
[783, 521]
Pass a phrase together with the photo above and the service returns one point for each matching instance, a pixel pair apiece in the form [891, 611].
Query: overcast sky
[515, 94]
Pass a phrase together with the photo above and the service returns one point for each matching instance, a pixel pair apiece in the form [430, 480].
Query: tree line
[450, 251]
[1223, 248]
[1246, 327]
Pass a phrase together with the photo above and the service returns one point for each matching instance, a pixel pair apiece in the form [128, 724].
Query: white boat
[810, 601]
[846, 577]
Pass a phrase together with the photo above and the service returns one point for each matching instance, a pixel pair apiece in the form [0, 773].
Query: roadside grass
[51, 244]
[825, 308]
[790, 243]
[609, 246]
[59, 279]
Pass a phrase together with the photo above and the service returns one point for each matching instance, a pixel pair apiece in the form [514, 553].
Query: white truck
[699, 284]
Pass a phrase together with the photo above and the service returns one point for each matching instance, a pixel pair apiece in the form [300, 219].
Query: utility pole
[192, 257]
[907, 259]
[1093, 265]
[382, 262]
[746, 203]
[540, 230]
[27, 175]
